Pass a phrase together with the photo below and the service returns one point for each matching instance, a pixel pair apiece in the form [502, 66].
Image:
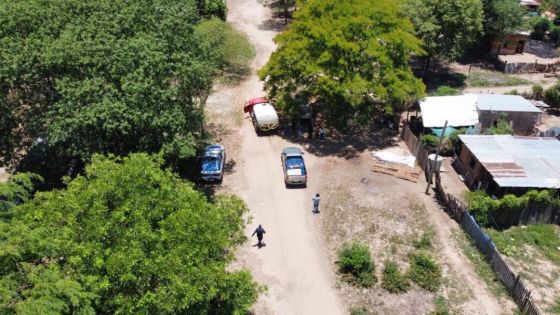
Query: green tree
[502, 17]
[447, 27]
[126, 237]
[107, 76]
[18, 189]
[350, 58]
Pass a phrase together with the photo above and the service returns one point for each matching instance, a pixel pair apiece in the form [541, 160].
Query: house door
[520, 47]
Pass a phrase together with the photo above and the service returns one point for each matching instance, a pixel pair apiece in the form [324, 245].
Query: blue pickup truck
[213, 163]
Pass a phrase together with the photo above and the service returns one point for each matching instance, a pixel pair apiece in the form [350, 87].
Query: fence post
[515, 283]
[527, 298]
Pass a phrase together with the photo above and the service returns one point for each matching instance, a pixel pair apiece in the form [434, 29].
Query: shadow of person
[262, 244]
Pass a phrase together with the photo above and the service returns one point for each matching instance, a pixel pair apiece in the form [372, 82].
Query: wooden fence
[415, 146]
[458, 211]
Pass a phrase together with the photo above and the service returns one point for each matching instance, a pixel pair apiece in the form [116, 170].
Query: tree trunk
[500, 48]
[427, 67]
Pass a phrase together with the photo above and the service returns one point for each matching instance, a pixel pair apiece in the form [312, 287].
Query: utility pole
[435, 159]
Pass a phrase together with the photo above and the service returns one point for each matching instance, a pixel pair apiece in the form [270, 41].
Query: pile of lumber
[397, 170]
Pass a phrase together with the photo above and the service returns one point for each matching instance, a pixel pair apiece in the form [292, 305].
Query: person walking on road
[260, 233]
[316, 201]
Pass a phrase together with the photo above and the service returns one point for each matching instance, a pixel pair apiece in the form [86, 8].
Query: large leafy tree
[447, 27]
[107, 76]
[348, 57]
[502, 17]
[125, 238]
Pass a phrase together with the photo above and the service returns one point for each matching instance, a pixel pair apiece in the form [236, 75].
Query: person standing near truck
[260, 233]
[316, 200]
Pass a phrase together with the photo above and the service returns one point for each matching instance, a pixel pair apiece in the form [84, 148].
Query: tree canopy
[447, 27]
[348, 57]
[126, 238]
[107, 76]
[502, 17]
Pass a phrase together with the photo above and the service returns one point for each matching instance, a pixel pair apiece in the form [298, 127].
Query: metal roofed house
[516, 109]
[509, 164]
[471, 109]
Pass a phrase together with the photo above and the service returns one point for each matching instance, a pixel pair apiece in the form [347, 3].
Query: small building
[481, 110]
[509, 44]
[509, 164]
[521, 113]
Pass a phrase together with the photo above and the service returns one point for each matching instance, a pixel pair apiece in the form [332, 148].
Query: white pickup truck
[262, 113]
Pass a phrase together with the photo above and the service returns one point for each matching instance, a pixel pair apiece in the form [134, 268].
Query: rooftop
[518, 161]
[505, 103]
[462, 110]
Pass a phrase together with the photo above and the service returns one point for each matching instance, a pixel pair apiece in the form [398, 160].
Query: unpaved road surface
[293, 264]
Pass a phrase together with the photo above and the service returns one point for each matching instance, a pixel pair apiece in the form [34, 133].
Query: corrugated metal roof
[458, 110]
[518, 161]
[504, 103]
[462, 110]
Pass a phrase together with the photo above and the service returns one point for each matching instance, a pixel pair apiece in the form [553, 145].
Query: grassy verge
[543, 237]
[481, 266]
[493, 79]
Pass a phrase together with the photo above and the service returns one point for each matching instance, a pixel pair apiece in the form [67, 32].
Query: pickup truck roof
[214, 149]
[292, 151]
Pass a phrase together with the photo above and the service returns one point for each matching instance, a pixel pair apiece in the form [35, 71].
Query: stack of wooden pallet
[397, 170]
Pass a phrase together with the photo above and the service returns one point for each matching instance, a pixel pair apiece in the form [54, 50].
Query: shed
[521, 113]
[471, 109]
[510, 164]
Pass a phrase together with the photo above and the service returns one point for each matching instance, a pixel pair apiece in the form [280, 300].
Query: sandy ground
[297, 265]
[293, 264]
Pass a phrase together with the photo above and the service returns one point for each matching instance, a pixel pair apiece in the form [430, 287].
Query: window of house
[472, 162]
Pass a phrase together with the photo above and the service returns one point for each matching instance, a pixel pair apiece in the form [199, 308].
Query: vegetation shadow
[273, 24]
[346, 145]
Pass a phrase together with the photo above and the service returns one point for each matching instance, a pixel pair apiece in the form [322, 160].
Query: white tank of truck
[262, 113]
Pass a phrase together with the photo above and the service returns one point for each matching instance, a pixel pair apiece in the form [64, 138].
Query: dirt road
[293, 265]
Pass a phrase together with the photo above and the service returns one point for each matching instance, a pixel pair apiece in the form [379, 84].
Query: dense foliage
[108, 76]
[502, 17]
[393, 280]
[125, 238]
[502, 127]
[425, 271]
[447, 27]
[486, 210]
[356, 264]
[348, 59]
[552, 96]
[17, 190]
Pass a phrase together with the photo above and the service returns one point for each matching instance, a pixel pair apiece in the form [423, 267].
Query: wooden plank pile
[396, 170]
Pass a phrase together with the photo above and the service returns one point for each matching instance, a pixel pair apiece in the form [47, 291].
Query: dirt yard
[297, 265]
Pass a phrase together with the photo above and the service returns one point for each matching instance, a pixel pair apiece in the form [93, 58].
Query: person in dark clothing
[260, 233]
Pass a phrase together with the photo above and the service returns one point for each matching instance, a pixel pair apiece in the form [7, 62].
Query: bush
[425, 272]
[540, 28]
[538, 92]
[356, 265]
[446, 90]
[440, 307]
[552, 96]
[554, 33]
[393, 280]
[429, 141]
[483, 207]
[502, 127]
[425, 242]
